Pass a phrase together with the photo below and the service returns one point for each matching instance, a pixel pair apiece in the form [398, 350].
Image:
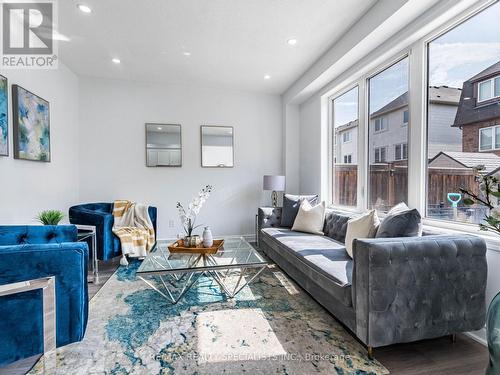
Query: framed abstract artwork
[4, 117]
[31, 130]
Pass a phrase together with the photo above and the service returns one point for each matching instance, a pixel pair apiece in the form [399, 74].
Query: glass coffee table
[165, 272]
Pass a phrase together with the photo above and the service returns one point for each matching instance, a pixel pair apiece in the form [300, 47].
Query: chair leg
[370, 352]
[453, 338]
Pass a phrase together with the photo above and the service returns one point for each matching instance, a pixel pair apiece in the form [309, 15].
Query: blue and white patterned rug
[271, 327]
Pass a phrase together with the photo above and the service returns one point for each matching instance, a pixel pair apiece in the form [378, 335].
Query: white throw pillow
[361, 227]
[310, 219]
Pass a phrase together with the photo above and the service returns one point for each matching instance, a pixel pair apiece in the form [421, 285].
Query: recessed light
[186, 53]
[292, 42]
[84, 8]
[267, 76]
[159, 128]
[116, 61]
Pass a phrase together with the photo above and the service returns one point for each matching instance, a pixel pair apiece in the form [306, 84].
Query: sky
[454, 57]
[466, 50]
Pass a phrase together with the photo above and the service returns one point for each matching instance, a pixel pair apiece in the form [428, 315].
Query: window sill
[492, 240]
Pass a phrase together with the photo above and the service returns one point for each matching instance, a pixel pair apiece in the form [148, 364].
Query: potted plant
[50, 217]
[188, 217]
[489, 195]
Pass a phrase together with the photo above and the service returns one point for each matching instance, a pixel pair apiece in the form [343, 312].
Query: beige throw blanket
[134, 228]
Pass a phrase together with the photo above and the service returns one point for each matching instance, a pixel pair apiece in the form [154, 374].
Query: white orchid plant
[188, 217]
[489, 195]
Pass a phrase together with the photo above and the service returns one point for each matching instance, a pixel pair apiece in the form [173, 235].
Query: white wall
[310, 151]
[112, 149]
[28, 186]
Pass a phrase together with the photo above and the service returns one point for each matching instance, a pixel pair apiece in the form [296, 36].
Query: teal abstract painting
[31, 125]
[4, 119]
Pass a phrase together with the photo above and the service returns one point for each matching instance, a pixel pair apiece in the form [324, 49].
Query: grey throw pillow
[400, 222]
[291, 204]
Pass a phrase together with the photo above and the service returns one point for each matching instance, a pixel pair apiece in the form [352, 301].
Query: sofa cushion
[291, 204]
[310, 219]
[400, 222]
[335, 226]
[320, 258]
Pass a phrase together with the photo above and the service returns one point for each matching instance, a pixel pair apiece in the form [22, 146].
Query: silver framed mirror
[163, 145]
[217, 146]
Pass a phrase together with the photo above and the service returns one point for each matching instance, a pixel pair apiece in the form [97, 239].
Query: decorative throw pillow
[364, 226]
[310, 219]
[291, 204]
[400, 221]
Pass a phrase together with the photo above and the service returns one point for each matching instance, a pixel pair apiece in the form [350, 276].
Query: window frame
[379, 149]
[348, 131]
[352, 85]
[417, 146]
[492, 88]
[423, 78]
[382, 122]
[493, 129]
[405, 54]
[402, 151]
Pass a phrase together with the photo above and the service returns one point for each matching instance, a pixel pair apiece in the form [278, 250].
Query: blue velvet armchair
[100, 215]
[34, 252]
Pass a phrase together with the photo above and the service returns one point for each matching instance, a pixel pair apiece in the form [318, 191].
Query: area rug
[271, 327]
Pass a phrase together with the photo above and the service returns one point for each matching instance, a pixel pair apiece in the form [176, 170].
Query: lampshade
[275, 183]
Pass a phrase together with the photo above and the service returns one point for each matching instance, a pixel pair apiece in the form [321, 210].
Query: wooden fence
[389, 184]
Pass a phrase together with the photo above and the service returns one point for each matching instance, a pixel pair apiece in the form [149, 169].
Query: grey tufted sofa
[395, 289]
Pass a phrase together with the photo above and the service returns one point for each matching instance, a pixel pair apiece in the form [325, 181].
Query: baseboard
[479, 336]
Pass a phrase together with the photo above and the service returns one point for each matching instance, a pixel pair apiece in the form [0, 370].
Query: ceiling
[233, 43]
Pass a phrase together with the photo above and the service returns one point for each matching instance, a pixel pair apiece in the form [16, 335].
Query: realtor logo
[28, 35]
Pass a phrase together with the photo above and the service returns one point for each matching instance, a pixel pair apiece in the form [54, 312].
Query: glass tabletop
[235, 253]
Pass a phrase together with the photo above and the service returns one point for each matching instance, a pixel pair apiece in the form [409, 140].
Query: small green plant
[50, 217]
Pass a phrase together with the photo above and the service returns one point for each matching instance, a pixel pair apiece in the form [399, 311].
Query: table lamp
[274, 183]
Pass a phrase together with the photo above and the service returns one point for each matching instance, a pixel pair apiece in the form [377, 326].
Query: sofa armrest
[268, 217]
[68, 263]
[413, 288]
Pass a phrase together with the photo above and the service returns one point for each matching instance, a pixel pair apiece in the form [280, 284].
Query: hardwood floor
[437, 357]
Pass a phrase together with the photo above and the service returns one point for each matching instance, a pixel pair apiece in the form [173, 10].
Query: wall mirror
[217, 146]
[163, 145]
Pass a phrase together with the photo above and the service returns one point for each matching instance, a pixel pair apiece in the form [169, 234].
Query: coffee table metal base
[166, 289]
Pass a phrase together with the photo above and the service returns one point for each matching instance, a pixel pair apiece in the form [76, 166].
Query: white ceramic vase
[208, 240]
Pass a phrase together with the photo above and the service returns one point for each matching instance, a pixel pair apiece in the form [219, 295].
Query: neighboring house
[466, 161]
[346, 143]
[478, 114]
[388, 133]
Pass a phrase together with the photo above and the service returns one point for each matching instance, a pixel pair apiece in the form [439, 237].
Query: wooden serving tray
[178, 247]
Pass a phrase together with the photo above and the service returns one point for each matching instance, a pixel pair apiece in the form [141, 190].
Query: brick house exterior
[470, 135]
[473, 115]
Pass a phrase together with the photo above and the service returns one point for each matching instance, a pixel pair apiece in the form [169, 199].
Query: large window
[388, 102]
[345, 148]
[464, 80]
